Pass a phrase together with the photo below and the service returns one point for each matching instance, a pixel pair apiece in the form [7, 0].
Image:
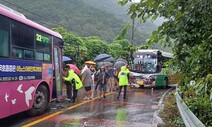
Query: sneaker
[90, 98]
[104, 96]
[68, 99]
[72, 101]
[85, 98]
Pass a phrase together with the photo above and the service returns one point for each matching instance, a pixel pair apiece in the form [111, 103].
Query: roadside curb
[156, 119]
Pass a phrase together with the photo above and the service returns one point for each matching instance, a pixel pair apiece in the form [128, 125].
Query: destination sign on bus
[42, 38]
[14, 68]
[11, 70]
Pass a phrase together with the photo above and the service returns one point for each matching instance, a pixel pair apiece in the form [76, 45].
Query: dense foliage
[189, 30]
[199, 99]
[170, 114]
[81, 49]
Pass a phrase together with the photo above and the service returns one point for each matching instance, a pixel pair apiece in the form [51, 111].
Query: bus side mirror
[61, 43]
[159, 55]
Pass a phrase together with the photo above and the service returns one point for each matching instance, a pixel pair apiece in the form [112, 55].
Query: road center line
[59, 112]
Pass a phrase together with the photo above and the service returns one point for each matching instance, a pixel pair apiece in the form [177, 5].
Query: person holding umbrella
[102, 81]
[123, 80]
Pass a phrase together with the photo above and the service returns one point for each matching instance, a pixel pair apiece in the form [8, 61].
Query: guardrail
[189, 119]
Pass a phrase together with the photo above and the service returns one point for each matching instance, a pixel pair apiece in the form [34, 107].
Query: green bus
[148, 69]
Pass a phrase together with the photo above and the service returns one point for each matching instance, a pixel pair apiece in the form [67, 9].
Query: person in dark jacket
[102, 82]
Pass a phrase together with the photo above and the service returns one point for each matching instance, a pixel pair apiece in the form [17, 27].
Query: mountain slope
[103, 18]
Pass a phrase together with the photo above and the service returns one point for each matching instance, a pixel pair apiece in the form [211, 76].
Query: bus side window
[4, 37]
[17, 53]
[22, 35]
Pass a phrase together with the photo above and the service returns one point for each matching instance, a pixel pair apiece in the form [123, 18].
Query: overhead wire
[37, 16]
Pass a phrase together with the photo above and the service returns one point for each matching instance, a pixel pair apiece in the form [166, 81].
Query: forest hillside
[103, 18]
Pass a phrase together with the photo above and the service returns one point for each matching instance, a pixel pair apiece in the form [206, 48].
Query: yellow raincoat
[123, 76]
[71, 76]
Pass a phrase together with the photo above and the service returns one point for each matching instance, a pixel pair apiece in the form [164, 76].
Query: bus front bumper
[145, 83]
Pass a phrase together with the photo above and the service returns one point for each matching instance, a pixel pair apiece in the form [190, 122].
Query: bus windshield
[145, 65]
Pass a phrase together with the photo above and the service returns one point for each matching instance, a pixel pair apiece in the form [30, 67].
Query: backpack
[96, 76]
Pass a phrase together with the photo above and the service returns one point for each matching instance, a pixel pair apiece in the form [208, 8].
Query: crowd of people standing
[106, 79]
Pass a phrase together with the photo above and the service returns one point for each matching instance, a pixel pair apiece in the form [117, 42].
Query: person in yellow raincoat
[75, 81]
[123, 80]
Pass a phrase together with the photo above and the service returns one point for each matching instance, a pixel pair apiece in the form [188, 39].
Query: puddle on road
[67, 120]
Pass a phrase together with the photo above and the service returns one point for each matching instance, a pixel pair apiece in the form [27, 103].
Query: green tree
[188, 29]
[74, 45]
[143, 47]
[95, 46]
[115, 50]
[123, 32]
[124, 51]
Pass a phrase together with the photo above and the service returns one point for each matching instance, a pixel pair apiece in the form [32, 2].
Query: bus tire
[141, 86]
[165, 83]
[40, 101]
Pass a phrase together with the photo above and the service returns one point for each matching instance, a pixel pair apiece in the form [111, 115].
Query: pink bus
[30, 64]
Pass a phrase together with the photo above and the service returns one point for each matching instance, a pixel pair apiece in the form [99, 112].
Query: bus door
[57, 77]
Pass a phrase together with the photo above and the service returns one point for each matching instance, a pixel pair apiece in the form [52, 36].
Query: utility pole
[133, 31]
[133, 22]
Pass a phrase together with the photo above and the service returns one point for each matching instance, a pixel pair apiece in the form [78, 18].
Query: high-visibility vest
[78, 82]
[123, 76]
[71, 76]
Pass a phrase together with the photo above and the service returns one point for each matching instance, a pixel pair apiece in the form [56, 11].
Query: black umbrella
[123, 60]
[119, 64]
[101, 57]
[110, 59]
[105, 63]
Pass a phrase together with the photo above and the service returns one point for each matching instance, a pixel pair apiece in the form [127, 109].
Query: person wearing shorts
[87, 88]
[102, 81]
[87, 81]
[111, 80]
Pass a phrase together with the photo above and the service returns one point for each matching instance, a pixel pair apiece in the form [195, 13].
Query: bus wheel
[141, 86]
[165, 83]
[40, 101]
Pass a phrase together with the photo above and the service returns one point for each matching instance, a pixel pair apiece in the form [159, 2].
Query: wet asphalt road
[135, 111]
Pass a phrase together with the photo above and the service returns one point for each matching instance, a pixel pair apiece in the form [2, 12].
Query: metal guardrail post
[189, 119]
